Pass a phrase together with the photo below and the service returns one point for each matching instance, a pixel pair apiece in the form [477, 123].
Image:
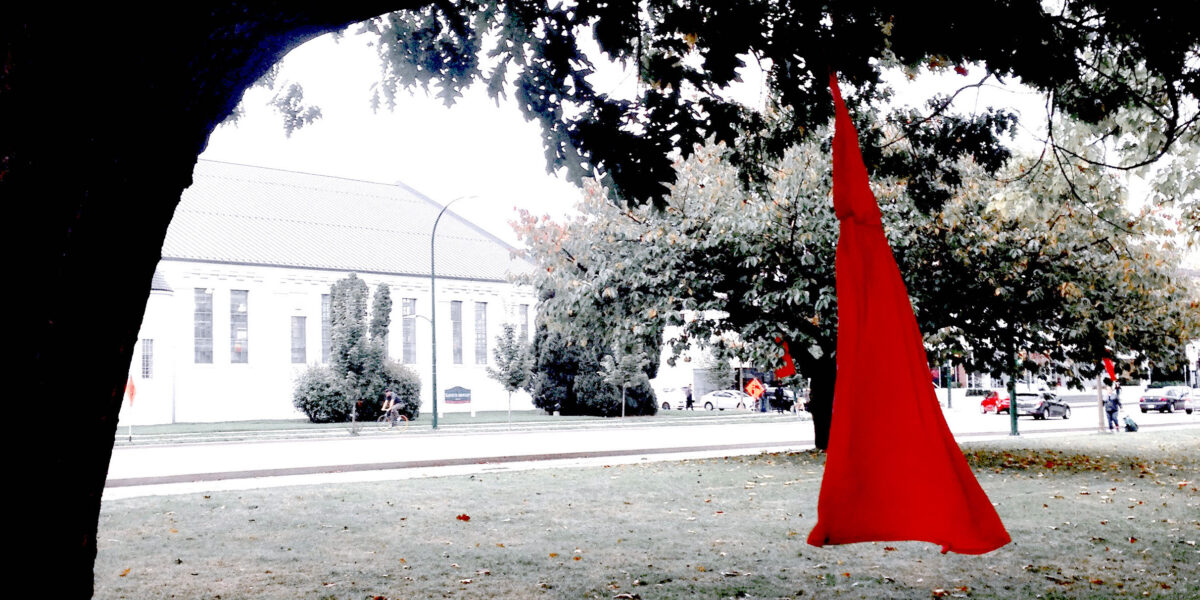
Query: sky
[487, 157]
[485, 154]
[474, 149]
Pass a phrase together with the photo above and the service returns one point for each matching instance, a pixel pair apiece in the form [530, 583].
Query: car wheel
[1188, 410]
[1066, 412]
[708, 406]
[1144, 411]
[666, 406]
[1170, 408]
[983, 409]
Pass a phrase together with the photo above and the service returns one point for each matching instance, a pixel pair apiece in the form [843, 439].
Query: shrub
[406, 386]
[322, 396]
[318, 394]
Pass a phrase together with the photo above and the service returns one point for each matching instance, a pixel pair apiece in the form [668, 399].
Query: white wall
[183, 391]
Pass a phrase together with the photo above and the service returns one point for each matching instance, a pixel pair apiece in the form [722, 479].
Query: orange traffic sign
[755, 388]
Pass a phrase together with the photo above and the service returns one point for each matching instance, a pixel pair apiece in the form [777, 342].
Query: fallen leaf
[463, 517]
[889, 549]
[553, 555]
[464, 581]
[125, 572]
[576, 557]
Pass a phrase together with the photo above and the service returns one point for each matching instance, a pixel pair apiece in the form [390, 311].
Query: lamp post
[433, 304]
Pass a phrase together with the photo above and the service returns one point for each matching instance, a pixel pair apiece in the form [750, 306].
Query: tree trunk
[820, 400]
[104, 114]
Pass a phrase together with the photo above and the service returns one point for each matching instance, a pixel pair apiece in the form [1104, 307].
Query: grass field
[1092, 516]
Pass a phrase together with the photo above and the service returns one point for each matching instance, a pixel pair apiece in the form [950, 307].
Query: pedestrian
[1112, 405]
[779, 400]
[689, 404]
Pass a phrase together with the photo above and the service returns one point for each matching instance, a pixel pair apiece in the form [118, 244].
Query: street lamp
[433, 303]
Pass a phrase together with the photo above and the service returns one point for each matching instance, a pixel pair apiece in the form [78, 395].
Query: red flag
[1112, 372]
[789, 368]
[130, 389]
[893, 470]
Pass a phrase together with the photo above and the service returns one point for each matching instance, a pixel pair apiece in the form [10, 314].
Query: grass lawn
[1093, 516]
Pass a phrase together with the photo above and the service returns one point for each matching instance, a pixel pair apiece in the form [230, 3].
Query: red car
[993, 402]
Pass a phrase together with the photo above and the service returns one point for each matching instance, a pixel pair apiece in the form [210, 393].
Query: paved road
[163, 469]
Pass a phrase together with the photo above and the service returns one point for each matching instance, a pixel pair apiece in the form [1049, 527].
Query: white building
[240, 298]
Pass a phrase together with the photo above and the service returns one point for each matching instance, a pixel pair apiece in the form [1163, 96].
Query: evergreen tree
[381, 313]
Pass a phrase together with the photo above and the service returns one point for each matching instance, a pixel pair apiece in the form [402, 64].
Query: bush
[322, 396]
[406, 386]
[319, 395]
[590, 395]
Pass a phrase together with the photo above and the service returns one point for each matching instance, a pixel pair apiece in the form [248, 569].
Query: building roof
[254, 215]
[159, 283]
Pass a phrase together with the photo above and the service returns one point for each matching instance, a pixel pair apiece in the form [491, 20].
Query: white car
[723, 399]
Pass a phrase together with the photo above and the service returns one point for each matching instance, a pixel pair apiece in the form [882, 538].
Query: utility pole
[433, 306]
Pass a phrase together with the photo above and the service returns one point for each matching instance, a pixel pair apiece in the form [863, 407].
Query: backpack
[1130, 425]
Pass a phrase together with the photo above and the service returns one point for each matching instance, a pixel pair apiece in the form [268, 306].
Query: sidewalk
[142, 469]
[190, 467]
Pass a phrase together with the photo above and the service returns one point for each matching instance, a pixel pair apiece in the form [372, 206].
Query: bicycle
[392, 420]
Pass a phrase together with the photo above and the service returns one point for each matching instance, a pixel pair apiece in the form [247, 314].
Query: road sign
[755, 388]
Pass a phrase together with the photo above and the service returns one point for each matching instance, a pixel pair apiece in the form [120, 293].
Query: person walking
[689, 405]
[1112, 406]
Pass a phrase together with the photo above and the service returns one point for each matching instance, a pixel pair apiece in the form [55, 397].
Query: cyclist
[389, 401]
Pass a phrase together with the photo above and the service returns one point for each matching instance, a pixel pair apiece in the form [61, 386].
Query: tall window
[408, 331]
[299, 327]
[456, 329]
[524, 316]
[203, 326]
[326, 324]
[239, 330]
[147, 358]
[481, 333]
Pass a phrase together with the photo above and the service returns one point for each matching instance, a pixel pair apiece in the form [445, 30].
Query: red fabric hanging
[893, 471]
[1112, 373]
[789, 367]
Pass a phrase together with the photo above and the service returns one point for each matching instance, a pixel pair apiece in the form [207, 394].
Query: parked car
[1041, 405]
[1167, 399]
[994, 402]
[671, 397]
[723, 399]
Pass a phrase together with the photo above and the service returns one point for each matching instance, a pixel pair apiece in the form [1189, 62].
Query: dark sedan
[1041, 405]
[1166, 399]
